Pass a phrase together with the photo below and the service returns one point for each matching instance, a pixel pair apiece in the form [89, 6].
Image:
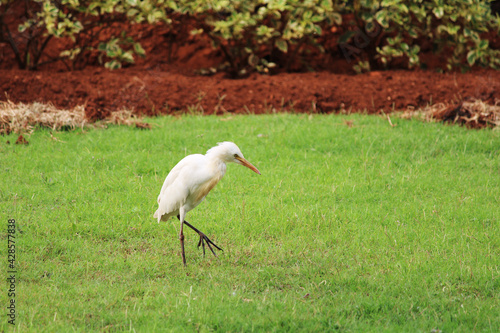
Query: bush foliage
[452, 26]
[260, 35]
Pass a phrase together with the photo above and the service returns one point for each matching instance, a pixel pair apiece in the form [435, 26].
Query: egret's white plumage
[189, 182]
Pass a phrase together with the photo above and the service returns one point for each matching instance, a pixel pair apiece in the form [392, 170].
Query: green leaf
[438, 12]
[139, 50]
[402, 7]
[412, 32]
[471, 57]
[281, 45]
[128, 57]
[132, 12]
[113, 64]
[346, 36]
[307, 15]
[317, 29]
[381, 17]
[453, 29]
[317, 18]
[441, 28]
[102, 47]
[483, 44]
[337, 18]
[196, 32]
[112, 53]
[253, 60]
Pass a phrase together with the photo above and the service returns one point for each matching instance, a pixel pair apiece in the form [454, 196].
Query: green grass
[363, 228]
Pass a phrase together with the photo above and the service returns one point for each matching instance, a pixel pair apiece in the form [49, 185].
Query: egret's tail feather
[157, 215]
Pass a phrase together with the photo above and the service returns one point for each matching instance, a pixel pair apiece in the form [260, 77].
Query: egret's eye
[235, 155]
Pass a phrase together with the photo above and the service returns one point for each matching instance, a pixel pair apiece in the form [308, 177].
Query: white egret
[189, 182]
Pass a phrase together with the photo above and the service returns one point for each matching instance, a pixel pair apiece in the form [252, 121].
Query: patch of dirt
[21, 140]
[155, 91]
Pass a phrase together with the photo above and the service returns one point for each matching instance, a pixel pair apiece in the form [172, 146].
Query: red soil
[157, 91]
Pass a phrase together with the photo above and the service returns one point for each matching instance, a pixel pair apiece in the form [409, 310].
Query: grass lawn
[353, 225]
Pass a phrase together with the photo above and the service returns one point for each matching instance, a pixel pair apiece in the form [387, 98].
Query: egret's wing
[186, 163]
[176, 188]
[171, 199]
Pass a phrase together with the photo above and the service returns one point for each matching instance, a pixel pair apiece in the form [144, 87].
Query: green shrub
[29, 44]
[452, 26]
[261, 34]
[88, 18]
[119, 50]
[81, 21]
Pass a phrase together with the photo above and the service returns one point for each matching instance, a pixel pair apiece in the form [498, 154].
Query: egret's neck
[218, 165]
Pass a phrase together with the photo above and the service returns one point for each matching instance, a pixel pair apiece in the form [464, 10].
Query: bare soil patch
[150, 91]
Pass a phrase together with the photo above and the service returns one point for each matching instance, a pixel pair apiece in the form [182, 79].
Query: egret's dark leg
[181, 237]
[203, 239]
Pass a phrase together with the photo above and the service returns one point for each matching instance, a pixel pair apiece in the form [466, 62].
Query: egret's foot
[203, 239]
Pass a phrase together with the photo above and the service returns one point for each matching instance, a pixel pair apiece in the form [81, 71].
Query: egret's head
[229, 152]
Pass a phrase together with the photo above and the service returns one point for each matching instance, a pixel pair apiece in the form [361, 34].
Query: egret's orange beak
[247, 164]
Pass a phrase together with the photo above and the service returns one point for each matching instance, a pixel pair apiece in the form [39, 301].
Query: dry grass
[126, 117]
[475, 114]
[21, 118]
